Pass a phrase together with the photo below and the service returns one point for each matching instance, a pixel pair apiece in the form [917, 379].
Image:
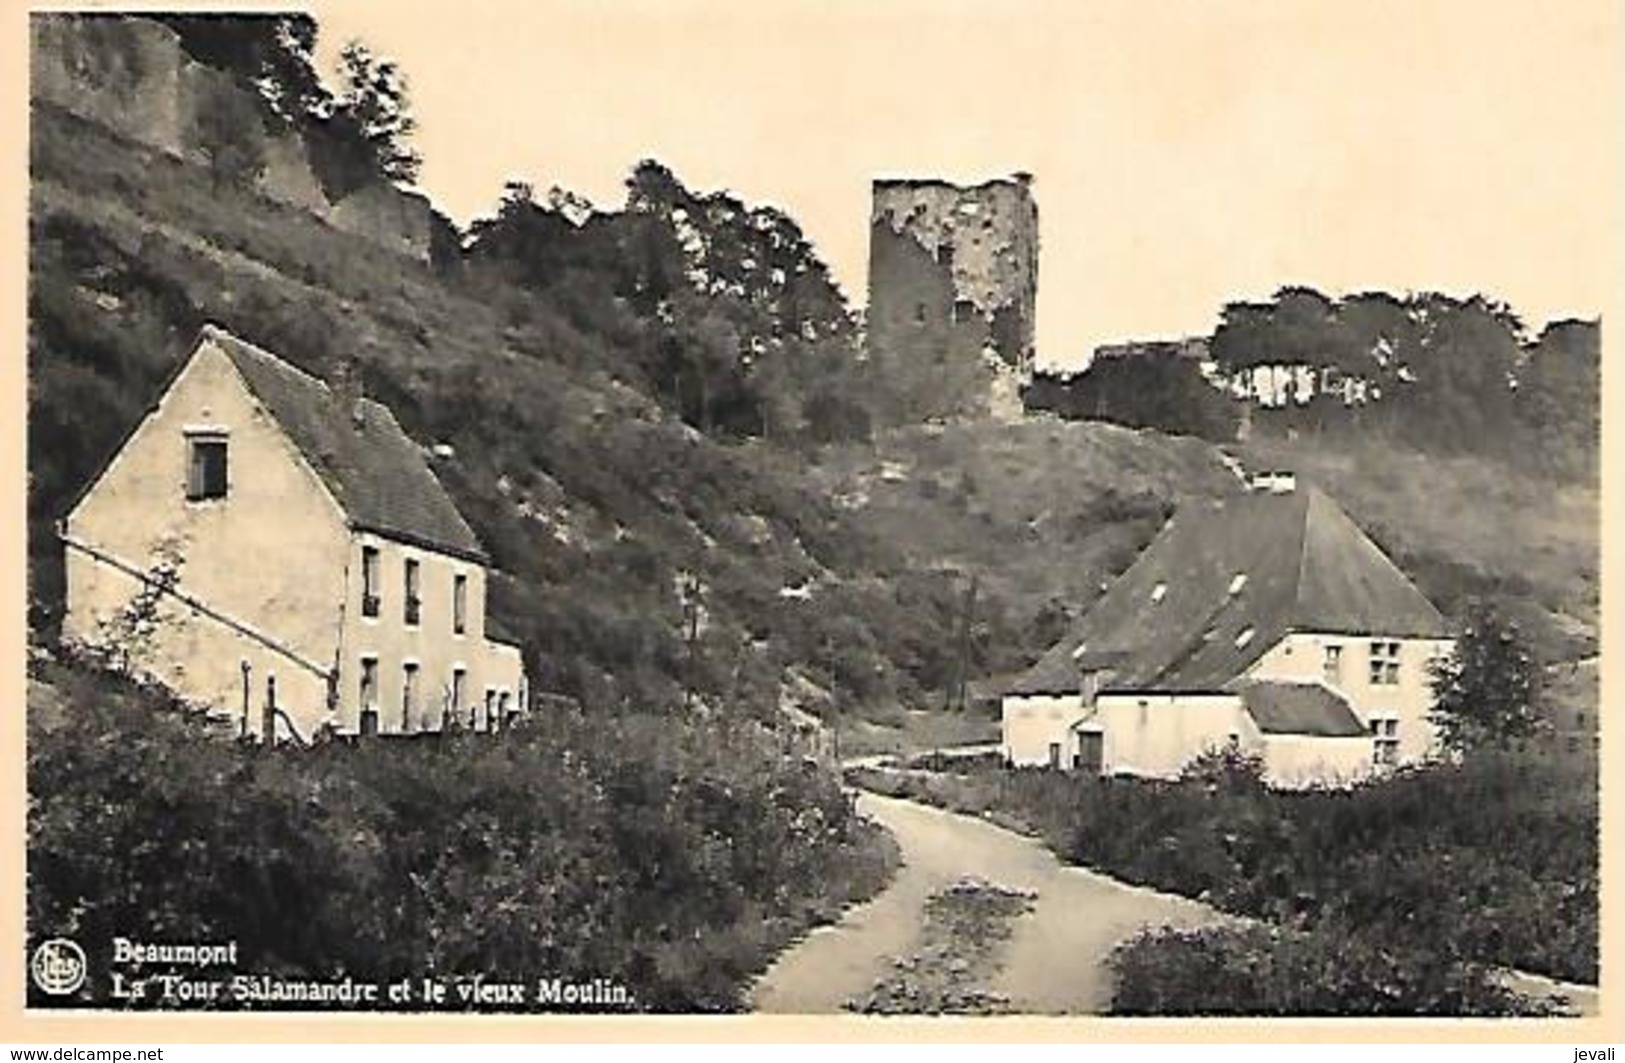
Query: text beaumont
[194, 954]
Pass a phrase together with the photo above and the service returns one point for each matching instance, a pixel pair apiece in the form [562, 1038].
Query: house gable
[377, 474]
[264, 564]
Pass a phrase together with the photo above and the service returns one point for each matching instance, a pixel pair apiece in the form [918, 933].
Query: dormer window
[1238, 583]
[206, 465]
[1244, 638]
[1159, 592]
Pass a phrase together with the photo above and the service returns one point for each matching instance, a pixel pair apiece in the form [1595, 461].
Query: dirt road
[1055, 963]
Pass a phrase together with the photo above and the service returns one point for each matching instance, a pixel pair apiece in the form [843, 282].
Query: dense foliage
[1487, 692]
[359, 132]
[1493, 860]
[1436, 372]
[670, 856]
[1260, 970]
[736, 324]
[1156, 389]
[594, 500]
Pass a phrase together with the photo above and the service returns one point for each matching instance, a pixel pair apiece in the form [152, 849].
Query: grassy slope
[1053, 509]
[593, 499]
[589, 497]
[1465, 526]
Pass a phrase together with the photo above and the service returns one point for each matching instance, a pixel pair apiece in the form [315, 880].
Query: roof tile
[1308, 567]
[378, 476]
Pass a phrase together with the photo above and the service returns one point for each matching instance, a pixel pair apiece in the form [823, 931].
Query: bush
[671, 858]
[1494, 858]
[1264, 971]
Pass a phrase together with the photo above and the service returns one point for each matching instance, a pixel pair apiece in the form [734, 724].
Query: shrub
[1264, 971]
[673, 858]
[1493, 858]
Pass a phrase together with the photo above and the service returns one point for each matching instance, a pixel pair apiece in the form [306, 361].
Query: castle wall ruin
[132, 76]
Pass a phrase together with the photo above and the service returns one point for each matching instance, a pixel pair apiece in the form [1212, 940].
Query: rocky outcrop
[132, 75]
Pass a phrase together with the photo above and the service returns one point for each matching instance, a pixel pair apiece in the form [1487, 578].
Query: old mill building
[260, 524]
[1266, 622]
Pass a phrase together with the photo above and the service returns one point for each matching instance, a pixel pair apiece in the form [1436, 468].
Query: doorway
[1091, 755]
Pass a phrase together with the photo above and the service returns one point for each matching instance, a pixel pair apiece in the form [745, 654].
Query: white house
[1267, 622]
[259, 526]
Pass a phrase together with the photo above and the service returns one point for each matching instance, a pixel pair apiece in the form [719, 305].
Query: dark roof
[1300, 709]
[1308, 567]
[378, 476]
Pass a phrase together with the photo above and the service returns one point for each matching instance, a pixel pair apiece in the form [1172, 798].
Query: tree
[1486, 692]
[1559, 389]
[273, 52]
[230, 135]
[373, 103]
[1152, 389]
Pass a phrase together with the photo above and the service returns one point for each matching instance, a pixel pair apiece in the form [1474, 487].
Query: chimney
[1276, 483]
[346, 388]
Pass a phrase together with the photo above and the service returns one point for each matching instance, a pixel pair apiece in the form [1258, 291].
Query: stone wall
[953, 287]
[131, 75]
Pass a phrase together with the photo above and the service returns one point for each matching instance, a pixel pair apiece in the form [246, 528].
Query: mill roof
[1300, 709]
[1222, 582]
[372, 468]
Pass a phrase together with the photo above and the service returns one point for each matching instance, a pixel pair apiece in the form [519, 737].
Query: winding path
[1054, 964]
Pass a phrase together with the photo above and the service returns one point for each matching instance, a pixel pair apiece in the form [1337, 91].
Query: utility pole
[953, 694]
[691, 617]
[965, 639]
[268, 718]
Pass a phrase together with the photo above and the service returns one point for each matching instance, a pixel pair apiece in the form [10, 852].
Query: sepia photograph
[878, 511]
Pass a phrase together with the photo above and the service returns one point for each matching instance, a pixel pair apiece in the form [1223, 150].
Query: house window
[459, 604]
[1333, 665]
[459, 679]
[409, 694]
[1385, 743]
[369, 684]
[490, 709]
[369, 581]
[414, 603]
[1384, 663]
[205, 467]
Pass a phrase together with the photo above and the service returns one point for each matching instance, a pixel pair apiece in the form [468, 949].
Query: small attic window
[1159, 592]
[1244, 638]
[206, 465]
[1238, 582]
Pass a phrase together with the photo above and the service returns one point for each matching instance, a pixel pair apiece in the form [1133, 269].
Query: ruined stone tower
[953, 288]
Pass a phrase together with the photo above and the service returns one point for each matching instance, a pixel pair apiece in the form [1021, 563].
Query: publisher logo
[58, 967]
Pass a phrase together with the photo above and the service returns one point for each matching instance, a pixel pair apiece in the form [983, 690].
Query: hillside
[846, 566]
[593, 501]
[1050, 510]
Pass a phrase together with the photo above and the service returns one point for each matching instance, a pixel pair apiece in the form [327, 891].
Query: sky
[1185, 153]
